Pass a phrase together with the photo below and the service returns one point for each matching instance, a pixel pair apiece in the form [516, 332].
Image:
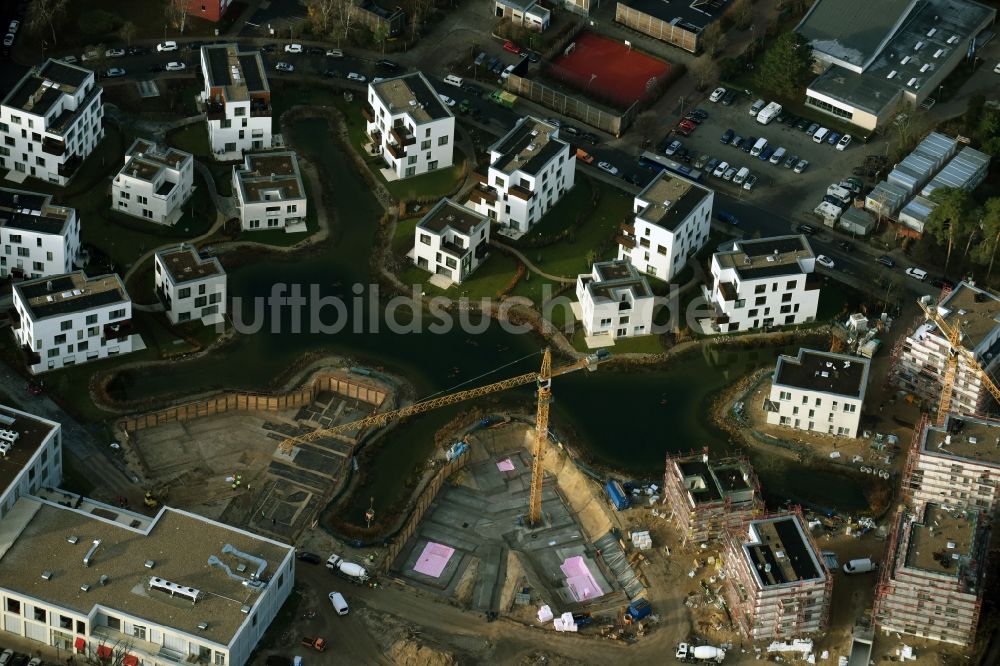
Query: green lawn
[434, 185]
[194, 139]
[491, 277]
[176, 99]
[646, 344]
[402, 238]
[278, 237]
[141, 285]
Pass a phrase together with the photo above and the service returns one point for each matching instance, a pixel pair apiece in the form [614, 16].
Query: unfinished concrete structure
[956, 465]
[932, 582]
[776, 583]
[708, 497]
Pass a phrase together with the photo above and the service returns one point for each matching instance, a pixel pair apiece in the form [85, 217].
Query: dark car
[712, 163]
[277, 660]
[803, 124]
[267, 48]
[532, 56]
[886, 261]
[693, 118]
[387, 64]
[634, 179]
[941, 283]
[727, 217]
[748, 144]
[700, 114]
[492, 63]
[791, 119]
[569, 129]
[138, 50]
[833, 200]
[194, 46]
[315, 50]
[846, 246]
[727, 136]
[156, 68]
[473, 89]
[781, 117]
[307, 557]
[791, 161]
[765, 154]
[736, 141]
[332, 74]
[590, 138]
[806, 229]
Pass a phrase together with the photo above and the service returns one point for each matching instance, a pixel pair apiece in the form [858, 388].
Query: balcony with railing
[31, 357]
[402, 135]
[69, 167]
[122, 646]
[398, 152]
[118, 330]
[626, 241]
[52, 146]
[15, 319]
[368, 112]
[519, 192]
[483, 194]
[628, 228]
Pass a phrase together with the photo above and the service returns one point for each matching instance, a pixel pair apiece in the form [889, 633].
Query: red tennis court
[608, 69]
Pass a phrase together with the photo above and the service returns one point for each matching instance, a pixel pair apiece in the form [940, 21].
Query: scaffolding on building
[911, 476]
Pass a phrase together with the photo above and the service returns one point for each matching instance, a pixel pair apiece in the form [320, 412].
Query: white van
[820, 135]
[758, 147]
[741, 175]
[859, 566]
[841, 193]
[778, 155]
[339, 603]
[453, 80]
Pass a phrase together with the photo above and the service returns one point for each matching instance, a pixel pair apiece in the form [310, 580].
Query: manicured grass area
[278, 237]
[434, 185]
[646, 344]
[402, 237]
[194, 139]
[832, 299]
[141, 284]
[489, 279]
[176, 99]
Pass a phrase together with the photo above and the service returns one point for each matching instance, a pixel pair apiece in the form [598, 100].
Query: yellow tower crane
[543, 381]
[953, 334]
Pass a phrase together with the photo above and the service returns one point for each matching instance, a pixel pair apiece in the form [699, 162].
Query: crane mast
[541, 437]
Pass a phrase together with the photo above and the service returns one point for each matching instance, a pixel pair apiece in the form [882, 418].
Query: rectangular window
[114, 623]
[139, 631]
[443, 140]
[13, 606]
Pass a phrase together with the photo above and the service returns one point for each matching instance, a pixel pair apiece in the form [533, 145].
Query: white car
[166, 46]
[284, 67]
[35, 661]
[175, 66]
[12, 28]
[293, 48]
[114, 53]
[609, 167]
[824, 260]
[917, 273]
[716, 94]
[8, 39]
[354, 76]
[114, 73]
[334, 53]
[720, 169]
[447, 100]
[5, 657]
[844, 142]
[996, 70]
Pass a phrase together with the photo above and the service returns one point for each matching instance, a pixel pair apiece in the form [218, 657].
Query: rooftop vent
[918, 46]
[85, 588]
[175, 590]
[6, 420]
[150, 564]
[911, 82]
[953, 39]
[905, 60]
[244, 609]
[891, 74]
[104, 580]
[73, 539]
[46, 575]
[925, 67]
[90, 553]
[202, 626]
[938, 53]
[930, 33]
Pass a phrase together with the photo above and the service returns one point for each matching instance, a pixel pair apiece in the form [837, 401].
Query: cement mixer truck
[349, 570]
[704, 654]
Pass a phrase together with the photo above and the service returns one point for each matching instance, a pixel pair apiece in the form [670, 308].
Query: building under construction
[777, 585]
[956, 465]
[932, 582]
[707, 497]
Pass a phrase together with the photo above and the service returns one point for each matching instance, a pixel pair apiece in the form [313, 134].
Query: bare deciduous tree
[176, 14]
[46, 12]
[704, 71]
[741, 11]
[128, 32]
[712, 40]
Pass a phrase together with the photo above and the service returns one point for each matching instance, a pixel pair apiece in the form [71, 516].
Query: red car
[512, 47]
[688, 125]
[682, 130]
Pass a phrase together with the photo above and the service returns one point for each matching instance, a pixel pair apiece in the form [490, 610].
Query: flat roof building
[191, 288]
[154, 183]
[31, 450]
[236, 99]
[269, 192]
[37, 237]
[614, 301]
[678, 23]
[451, 240]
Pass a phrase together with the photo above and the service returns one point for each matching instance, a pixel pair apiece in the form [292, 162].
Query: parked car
[8, 39]
[846, 246]
[532, 56]
[729, 98]
[749, 182]
[844, 142]
[114, 53]
[692, 117]
[812, 128]
[315, 50]
[748, 144]
[791, 119]
[672, 149]
[885, 260]
[354, 76]
[839, 203]
[293, 48]
[730, 172]
[193, 46]
[727, 136]
[5, 657]
[720, 169]
[447, 100]
[683, 130]
[765, 154]
[757, 106]
[824, 260]
[166, 46]
[332, 74]
[712, 163]
[941, 283]
[114, 72]
[14, 25]
[174, 66]
[700, 113]
[569, 129]
[801, 166]
[833, 138]
[717, 94]
[806, 229]
[70, 59]
[334, 53]
[138, 51]
[309, 558]
[284, 67]
[511, 46]
[727, 217]
[387, 64]
[917, 273]
[702, 160]
[590, 138]
[609, 167]
[804, 124]
[736, 141]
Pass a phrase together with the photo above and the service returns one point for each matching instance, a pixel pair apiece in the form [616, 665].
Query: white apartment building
[956, 466]
[614, 300]
[71, 319]
[409, 125]
[530, 169]
[191, 288]
[920, 366]
[818, 391]
[237, 101]
[763, 283]
[32, 453]
[672, 220]
[37, 238]
[451, 240]
[154, 183]
[50, 122]
[269, 192]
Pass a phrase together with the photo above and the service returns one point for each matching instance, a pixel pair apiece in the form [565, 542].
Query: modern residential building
[672, 220]
[37, 238]
[71, 319]
[956, 466]
[907, 49]
[678, 23]
[919, 364]
[530, 169]
[410, 126]
[763, 283]
[818, 391]
[236, 99]
[191, 288]
[32, 455]
[933, 578]
[708, 497]
[451, 240]
[154, 183]
[777, 585]
[50, 122]
[526, 13]
[269, 192]
[615, 301]
[210, 10]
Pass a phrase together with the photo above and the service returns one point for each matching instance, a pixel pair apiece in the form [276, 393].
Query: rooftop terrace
[767, 257]
[238, 73]
[447, 214]
[975, 310]
[30, 211]
[528, 147]
[44, 85]
[66, 294]
[610, 278]
[942, 541]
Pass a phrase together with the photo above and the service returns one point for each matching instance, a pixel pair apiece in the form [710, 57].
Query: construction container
[886, 199]
[912, 173]
[639, 609]
[617, 495]
[936, 147]
[857, 221]
[915, 213]
[828, 212]
[966, 170]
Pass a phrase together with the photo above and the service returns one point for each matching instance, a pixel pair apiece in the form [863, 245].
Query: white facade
[819, 391]
[451, 240]
[72, 319]
[33, 454]
[50, 122]
[269, 192]
[530, 170]
[763, 283]
[37, 238]
[921, 363]
[191, 288]
[154, 182]
[615, 300]
[237, 101]
[673, 216]
[409, 125]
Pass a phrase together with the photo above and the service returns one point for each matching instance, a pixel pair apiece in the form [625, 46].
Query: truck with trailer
[768, 113]
[349, 570]
[617, 495]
